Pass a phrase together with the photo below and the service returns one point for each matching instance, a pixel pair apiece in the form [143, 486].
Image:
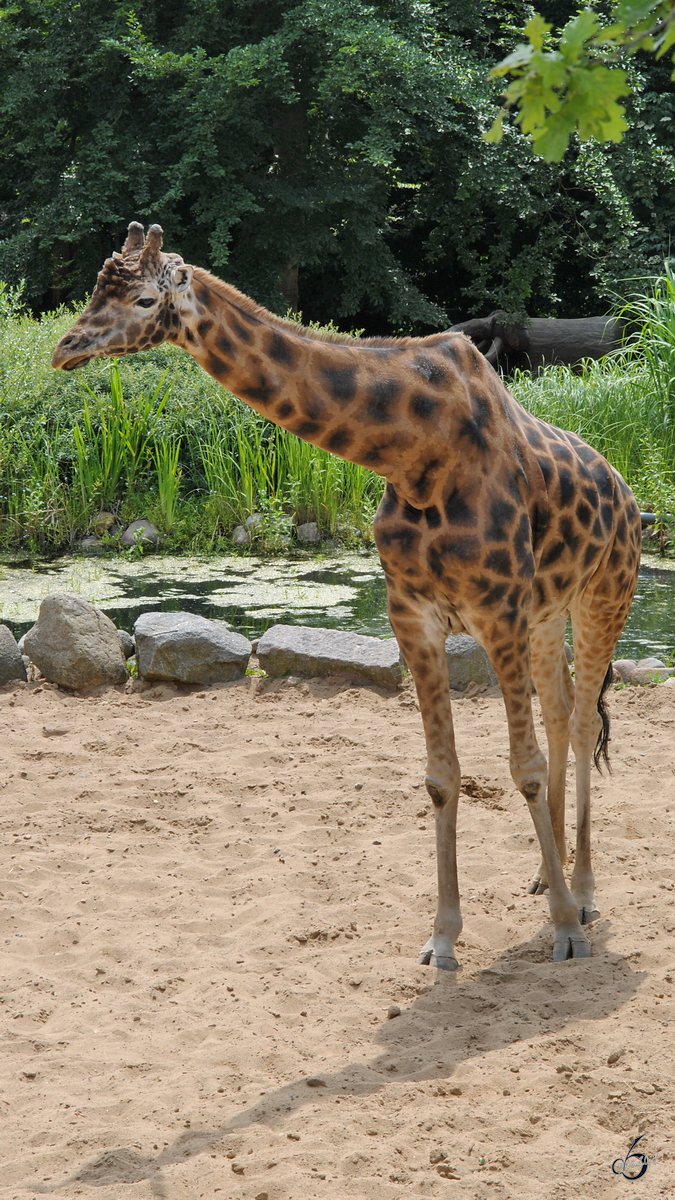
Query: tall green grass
[624, 405]
[154, 436]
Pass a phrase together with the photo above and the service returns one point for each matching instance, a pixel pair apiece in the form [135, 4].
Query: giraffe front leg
[422, 642]
[439, 951]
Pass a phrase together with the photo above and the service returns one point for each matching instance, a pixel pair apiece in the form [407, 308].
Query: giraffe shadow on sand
[519, 997]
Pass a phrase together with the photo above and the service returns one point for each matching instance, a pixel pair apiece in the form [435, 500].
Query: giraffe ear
[181, 277]
[135, 239]
[153, 245]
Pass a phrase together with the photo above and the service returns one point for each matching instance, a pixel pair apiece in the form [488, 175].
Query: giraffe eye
[145, 302]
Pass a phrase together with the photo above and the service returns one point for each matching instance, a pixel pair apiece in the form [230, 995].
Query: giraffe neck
[394, 407]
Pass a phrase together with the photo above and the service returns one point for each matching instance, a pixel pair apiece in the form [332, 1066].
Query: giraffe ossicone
[493, 522]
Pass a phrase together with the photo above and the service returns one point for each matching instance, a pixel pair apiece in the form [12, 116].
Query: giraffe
[492, 523]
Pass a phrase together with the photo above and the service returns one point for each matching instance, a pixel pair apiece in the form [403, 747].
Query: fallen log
[542, 341]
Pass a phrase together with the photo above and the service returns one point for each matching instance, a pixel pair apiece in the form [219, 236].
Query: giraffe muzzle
[71, 352]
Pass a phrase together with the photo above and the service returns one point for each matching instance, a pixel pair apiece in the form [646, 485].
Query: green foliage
[153, 436]
[624, 405]
[652, 315]
[166, 455]
[568, 88]
[327, 155]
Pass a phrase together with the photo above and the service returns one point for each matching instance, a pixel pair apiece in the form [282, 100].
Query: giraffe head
[136, 303]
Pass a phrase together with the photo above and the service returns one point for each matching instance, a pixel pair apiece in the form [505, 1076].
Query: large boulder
[309, 532]
[75, 644]
[188, 649]
[141, 532]
[467, 663]
[303, 650]
[11, 662]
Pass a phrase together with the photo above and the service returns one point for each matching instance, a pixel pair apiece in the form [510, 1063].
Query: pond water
[340, 591]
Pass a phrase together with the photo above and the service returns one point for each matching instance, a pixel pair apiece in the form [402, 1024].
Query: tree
[574, 84]
[325, 155]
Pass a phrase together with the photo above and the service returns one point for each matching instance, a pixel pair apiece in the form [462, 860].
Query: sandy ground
[211, 899]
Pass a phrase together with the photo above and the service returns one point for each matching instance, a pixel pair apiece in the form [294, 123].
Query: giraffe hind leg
[596, 631]
[530, 775]
[556, 697]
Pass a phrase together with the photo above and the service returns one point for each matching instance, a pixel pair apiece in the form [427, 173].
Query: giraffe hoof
[432, 957]
[588, 913]
[537, 887]
[444, 962]
[574, 944]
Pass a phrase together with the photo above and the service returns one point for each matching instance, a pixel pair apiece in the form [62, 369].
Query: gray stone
[92, 545]
[309, 532]
[188, 648]
[253, 521]
[569, 653]
[625, 667]
[142, 531]
[646, 675]
[103, 522]
[11, 662]
[302, 650]
[74, 644]
[650, 662]
[467, 663]
[241, 535]
[23, 638]
[127, 643]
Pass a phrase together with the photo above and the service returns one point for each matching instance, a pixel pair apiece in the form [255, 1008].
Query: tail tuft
[601, 751]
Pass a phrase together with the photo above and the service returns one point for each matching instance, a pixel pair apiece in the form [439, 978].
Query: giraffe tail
[601, 752]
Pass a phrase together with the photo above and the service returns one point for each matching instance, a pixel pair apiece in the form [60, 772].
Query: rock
[309, 532]
[569, 653]
[241, 536]
[22, 640]
[11, 662]
[142, 532]
[103, 522]
[625, 668]
[75, 644]
[315, 1082]
[188, 648]
[92, 545]
[393, 1011]
[650, 662]
[467, 663]
[253, 521]
[644, 675]
[127, 641]
[302, 650]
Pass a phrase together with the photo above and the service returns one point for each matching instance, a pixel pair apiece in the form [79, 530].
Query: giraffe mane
[227, 292]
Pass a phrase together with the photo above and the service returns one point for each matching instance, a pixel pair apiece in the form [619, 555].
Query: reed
[166, 455]
[155, 436]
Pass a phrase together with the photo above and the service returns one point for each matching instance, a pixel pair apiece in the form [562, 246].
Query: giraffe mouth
[70, 363]
[74, 363]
